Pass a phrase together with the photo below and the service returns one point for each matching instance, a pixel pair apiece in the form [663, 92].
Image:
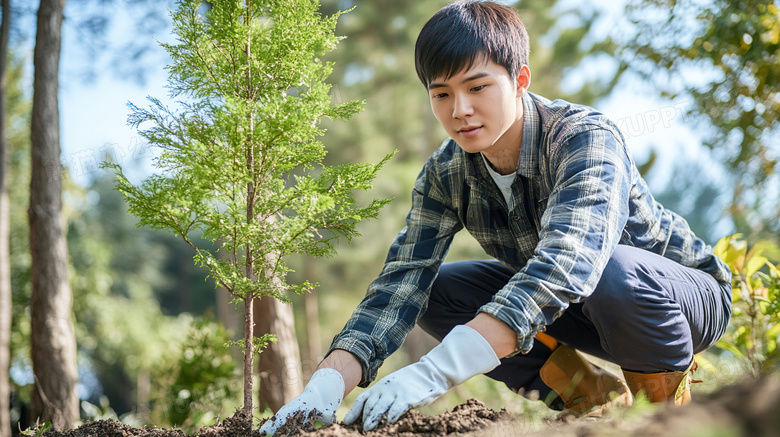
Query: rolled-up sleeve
[586, 212]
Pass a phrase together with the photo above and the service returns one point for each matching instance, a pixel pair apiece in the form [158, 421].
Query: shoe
[672, 387]
[584, 388]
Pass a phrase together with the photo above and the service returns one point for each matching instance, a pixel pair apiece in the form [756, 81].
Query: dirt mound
[112, 428]
[237, 426]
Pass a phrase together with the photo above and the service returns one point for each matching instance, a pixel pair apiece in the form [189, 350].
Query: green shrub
[753, 332]
[200, 382]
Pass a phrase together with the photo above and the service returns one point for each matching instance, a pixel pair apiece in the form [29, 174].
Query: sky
[94, 112]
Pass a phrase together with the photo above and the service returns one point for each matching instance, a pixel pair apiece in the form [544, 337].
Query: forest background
[149, 328]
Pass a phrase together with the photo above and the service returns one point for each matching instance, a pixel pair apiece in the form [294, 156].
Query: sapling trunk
[249, 320]
[249, 325]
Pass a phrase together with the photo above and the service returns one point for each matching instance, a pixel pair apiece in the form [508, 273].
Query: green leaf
[736, 293]
[722, 344]
[772, 333]
[260, 343]
[732, 250]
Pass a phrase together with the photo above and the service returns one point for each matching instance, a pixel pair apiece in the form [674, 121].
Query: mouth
[469, 131]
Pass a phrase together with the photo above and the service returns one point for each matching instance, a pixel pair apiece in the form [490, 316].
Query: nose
[462, 108]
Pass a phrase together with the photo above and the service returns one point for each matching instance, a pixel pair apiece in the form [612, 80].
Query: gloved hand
[319, 401]
[462, 354]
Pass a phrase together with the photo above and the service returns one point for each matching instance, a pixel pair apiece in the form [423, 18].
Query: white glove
[319, 401]
[462, 354]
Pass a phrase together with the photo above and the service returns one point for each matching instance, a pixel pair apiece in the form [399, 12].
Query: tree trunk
[5, 235]
[279, 364]
[226, 311]
[53, 344]
[313, 348]
[249, 326]
[249, 307]
[143, 394]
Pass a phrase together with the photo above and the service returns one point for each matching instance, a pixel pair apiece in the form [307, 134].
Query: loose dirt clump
[112, 428]
[295, 425]
[238, 425]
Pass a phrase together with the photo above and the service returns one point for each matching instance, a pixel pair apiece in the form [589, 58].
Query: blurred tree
[53, 347]
[102, 36]
[725, 56]
[5, 229]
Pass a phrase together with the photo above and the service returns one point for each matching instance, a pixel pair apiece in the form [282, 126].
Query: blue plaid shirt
[576, 196]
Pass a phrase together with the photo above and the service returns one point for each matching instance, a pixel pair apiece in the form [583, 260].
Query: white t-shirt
[504, 181]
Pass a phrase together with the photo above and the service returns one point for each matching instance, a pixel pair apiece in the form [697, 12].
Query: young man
[585, 258]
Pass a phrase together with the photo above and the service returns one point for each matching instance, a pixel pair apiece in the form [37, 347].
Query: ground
[747, 408]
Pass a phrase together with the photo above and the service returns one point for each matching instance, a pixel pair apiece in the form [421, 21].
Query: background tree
[5, 234]
[724, 56]
[279, 366]
[240, 162]
[53, 346]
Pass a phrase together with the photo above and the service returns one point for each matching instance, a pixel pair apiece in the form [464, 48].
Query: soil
[747, 408]
[468, 416]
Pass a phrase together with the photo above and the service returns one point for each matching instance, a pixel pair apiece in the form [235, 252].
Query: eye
[438, 96]
[478, 88]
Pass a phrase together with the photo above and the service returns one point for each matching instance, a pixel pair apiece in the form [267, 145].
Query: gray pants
[647, 314]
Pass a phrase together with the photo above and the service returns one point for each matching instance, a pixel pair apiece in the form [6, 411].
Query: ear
[523, 80]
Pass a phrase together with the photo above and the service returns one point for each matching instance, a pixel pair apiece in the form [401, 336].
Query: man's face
[480, 108]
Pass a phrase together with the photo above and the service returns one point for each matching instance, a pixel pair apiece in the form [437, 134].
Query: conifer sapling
[240, 163]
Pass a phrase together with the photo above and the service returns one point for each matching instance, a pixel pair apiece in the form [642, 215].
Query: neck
[504, 162]
[505, 157]
[505, 153]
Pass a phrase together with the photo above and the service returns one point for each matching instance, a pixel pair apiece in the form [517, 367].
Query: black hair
[466, 32]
